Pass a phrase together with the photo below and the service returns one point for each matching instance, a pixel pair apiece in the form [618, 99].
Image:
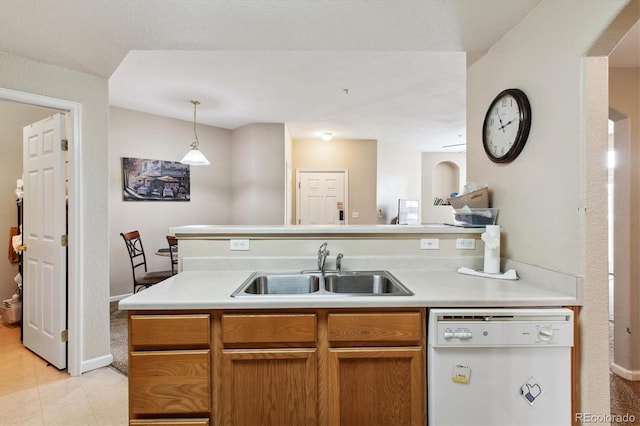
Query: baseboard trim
[99, 362]
[624, 373]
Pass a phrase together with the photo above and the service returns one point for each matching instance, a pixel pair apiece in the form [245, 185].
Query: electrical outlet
[429, 244]
[355, 215]
[239, 245]
[465, 243]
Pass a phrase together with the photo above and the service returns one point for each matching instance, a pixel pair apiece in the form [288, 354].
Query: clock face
[506, 126]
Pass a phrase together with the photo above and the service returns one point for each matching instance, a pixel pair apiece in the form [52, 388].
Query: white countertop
[431, 288]
[221, 230]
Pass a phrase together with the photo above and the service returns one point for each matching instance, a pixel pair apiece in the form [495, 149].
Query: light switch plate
[429, 244]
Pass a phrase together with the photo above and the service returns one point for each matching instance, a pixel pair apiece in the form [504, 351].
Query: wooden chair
[173, 253]
[138, 259]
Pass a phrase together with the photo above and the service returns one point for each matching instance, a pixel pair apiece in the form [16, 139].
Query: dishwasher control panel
[502, 328]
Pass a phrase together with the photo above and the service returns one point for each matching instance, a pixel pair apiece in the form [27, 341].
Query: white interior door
[44, 259]
[321, 197]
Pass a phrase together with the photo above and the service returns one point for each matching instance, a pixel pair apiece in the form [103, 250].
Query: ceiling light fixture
[327, 136]
[194, 157]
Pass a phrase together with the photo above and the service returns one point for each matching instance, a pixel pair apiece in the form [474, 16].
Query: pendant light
[194, 157]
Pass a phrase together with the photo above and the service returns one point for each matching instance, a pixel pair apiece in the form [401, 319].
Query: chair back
[173, 253]
[136, 252]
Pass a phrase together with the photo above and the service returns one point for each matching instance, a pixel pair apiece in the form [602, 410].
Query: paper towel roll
[491, 238]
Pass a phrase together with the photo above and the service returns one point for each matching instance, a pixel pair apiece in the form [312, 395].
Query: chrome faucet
[322, 256]
[339, 262]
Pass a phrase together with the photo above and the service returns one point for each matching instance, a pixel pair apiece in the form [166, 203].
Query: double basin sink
[346, 283]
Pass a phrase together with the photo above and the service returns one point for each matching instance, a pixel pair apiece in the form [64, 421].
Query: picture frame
[155, 180]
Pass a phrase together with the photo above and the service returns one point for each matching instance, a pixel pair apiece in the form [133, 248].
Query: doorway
[610, 214]
[321, 197]
[622, 291]
[74, 318]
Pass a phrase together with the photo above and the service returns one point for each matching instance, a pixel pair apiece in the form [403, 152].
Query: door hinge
[64, 336]
[64, 240]
[64, 144]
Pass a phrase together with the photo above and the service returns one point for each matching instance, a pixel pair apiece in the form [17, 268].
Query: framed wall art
[155, 180]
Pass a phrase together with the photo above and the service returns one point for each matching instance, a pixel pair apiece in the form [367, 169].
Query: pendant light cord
[195, 143]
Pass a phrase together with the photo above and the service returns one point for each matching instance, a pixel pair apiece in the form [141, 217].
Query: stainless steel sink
[355, 283]
[366, 282]
[279, 283]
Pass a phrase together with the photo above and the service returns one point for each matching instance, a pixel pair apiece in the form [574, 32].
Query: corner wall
[398, 178]
[140, 135]
[258, 175]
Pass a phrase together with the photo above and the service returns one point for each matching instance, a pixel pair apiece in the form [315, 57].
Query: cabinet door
[169, 382]
[376, 386]
[269, 387]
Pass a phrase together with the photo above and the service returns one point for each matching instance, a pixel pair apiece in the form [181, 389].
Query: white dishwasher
[499, 367]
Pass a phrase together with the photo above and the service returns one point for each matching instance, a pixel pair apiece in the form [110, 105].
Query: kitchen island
[199, 355]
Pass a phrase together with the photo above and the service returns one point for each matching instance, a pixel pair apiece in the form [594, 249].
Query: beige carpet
[625, 394]
[119, 336]
[625, 401]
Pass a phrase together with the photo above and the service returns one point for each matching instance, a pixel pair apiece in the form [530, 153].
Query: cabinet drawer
[169, 422]
[269, 329]
[170, 382]
[392, 327]
[169, 331]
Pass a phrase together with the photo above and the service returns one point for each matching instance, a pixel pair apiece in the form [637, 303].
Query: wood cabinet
[376, 369]
[169, 369]
[269, 387]
[376, 386]
[278, 367]
[269, 369]
[169, 422]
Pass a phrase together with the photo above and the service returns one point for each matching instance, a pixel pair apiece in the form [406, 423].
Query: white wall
[89, 325]
[399, 177]
[430, 160]
[358, 156]
[545, 194]
[258, 175]
[288, 184]
[139, 135]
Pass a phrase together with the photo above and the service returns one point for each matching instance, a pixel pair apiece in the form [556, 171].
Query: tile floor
[32, 393]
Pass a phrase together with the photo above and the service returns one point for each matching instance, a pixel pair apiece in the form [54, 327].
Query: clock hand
[501, 125]
[505, 125]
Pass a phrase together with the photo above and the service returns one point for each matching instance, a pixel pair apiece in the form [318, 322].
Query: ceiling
[391, 70]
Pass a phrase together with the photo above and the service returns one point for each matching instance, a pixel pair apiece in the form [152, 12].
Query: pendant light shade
[195, 157]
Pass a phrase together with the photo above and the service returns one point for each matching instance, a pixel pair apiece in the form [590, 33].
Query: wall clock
[506, 126]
